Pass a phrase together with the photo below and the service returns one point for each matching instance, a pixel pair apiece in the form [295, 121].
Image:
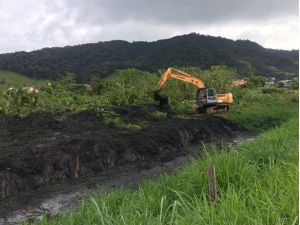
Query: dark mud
[46, 155]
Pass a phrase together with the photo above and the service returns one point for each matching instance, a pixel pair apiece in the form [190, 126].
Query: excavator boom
[179, 75]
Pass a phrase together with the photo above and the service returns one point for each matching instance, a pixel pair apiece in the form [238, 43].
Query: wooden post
[77, 171]
[3, 189]
[212, 184]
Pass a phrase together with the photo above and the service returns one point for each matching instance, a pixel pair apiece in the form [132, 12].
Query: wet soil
[47, 159]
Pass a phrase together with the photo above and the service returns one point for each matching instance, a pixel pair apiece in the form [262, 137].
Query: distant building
[271, 81]
[286, 83]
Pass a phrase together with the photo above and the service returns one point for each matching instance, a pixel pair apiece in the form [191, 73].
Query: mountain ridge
[105, 57]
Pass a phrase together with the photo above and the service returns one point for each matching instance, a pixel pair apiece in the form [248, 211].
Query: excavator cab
[206, 96]
[209, 101]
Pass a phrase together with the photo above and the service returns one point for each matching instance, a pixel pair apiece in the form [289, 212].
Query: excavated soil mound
[46, 149]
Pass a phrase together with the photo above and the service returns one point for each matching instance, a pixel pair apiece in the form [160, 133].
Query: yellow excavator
[207, 100]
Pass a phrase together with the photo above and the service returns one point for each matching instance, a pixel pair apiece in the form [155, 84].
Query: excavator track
[213, 109]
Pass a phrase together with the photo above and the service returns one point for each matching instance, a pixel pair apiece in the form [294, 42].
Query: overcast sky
[33, 24]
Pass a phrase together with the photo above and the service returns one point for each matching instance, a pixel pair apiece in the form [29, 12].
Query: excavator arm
[179, 75]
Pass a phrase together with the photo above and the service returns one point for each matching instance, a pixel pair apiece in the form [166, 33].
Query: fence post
[212, 184]
[77, 170]
[3, 189]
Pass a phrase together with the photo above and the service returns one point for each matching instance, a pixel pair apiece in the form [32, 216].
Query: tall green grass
[256, 110]
[257, 184]
[260, 117]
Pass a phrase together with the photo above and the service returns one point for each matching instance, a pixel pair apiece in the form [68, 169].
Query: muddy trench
[46, 155]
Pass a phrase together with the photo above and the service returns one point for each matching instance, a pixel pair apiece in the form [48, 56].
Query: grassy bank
[257, 184]
[260, 117]
[259, 110]
[12, 78]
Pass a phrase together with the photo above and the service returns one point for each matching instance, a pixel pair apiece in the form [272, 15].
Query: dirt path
[49, 162]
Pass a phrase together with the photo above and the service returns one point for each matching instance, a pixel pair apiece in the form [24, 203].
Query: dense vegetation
[104, 58]
[132, 86]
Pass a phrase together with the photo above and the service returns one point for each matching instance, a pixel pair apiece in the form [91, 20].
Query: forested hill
[103, 58]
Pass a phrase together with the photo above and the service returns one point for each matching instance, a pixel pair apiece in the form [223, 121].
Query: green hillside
[12, 78]
[104, 58]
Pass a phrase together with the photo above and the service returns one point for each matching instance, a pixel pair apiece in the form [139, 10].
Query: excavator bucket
[162, 99]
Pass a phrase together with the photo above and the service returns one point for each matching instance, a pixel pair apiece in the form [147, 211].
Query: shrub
[295, 84]
[67, 80]
[130, 86]
[272, 90]
[98, 84]
[219, 77]
[256, 81]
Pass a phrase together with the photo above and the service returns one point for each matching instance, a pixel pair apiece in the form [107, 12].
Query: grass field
[257, 184]
[12, 78]
[260, 116]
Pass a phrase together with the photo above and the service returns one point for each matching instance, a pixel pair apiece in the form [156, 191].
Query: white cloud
[281, 33]
[30, 24]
